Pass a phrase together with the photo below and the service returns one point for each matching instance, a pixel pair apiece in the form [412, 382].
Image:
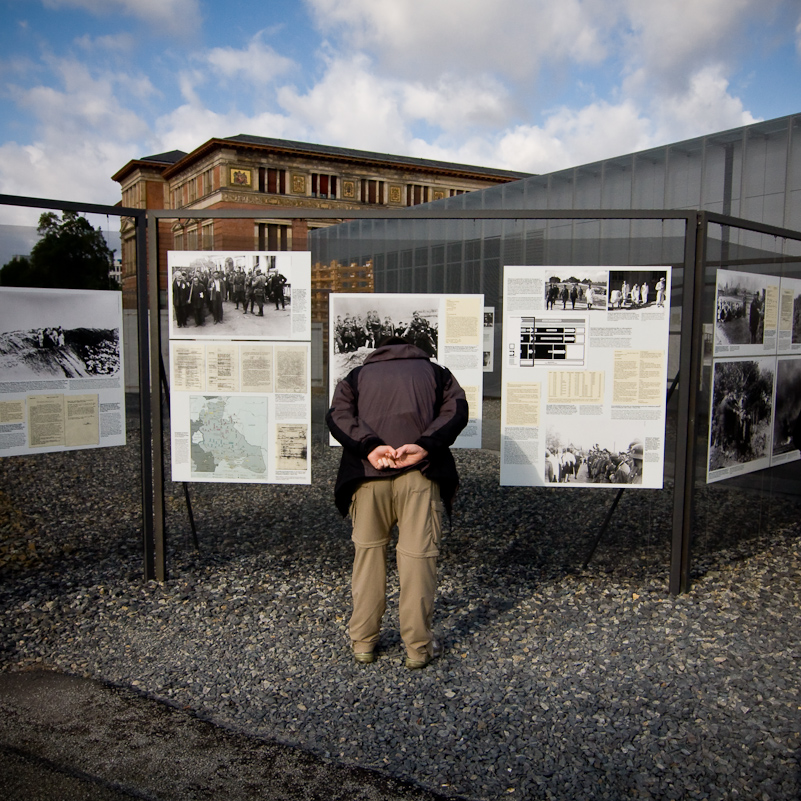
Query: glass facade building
[747, 182]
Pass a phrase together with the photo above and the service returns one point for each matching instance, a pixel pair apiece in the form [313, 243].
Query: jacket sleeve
[344, 423]
[451, 418]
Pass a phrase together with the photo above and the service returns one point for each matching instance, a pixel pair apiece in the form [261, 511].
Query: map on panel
[228, 436]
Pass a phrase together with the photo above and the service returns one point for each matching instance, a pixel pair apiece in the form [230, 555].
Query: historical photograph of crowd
[590, 452]
[584, 290]
[742, 404]
[788, 404]
[61, 345]
[359, 322]
[216, 295]
[633, 290]
[740, 309]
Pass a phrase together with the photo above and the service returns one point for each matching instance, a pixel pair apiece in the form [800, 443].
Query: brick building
[247, 172]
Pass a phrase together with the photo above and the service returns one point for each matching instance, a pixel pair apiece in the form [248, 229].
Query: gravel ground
[555, 682]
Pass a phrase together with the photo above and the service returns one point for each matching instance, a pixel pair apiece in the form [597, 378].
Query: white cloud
[354, 106]
[350, 106]
[507, 37]
[86, 105]
[190, 125]
[76, 169]
[705, 107]
[84, 134]
[572, 137]
[455, 104]
[113, 43]
[670, 42]
[169, 16]
[257, 63]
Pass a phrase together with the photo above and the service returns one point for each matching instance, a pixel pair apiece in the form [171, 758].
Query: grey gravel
[556, 682]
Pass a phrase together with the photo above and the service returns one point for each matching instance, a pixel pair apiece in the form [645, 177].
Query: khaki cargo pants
[413, 502]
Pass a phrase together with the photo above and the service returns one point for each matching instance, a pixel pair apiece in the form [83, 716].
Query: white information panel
[240, 367]
[62, 382]
[449, 328]
[584, 376]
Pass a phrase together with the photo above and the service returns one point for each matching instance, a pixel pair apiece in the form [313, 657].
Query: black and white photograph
[740, 310]
[637, 290]
[591, 450]
[59, 333]
[359, 322]
[741, 415]
[231, 295]
[488, 339]
[580, 289]
[788, 404]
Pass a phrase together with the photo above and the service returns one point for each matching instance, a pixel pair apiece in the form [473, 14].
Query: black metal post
[145, 417]
[689, 370]
[155, 403]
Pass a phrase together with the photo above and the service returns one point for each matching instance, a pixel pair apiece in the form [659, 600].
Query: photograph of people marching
[236, 295]
[580, 289]
[584, 452]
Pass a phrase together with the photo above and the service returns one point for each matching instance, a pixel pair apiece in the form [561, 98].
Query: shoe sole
[364, 659]
[414, 664]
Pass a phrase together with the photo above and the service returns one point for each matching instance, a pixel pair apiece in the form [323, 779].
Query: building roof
[171, 157]
[174, 161]
[367, 155]
[162, 160]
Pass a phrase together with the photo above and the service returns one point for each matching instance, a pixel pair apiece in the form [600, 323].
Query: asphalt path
[65, 738]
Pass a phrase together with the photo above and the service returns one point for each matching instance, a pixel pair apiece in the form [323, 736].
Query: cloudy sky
[530, 85]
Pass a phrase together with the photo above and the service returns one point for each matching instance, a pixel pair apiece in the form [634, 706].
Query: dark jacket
[397, 397]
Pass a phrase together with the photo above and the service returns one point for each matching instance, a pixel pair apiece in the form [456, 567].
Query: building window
[206, 183]
[372, 191]
[178, 240]
[128, 257]
[455, 192]
[323, 185]
[272, 181]
[191, 238]
[131, 196]
[273, 236]
[207, 236]
[415, 193]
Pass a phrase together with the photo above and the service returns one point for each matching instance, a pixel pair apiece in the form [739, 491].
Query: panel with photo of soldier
[220, 295]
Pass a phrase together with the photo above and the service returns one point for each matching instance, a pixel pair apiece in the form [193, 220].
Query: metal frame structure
[149, 337]
[146, 376]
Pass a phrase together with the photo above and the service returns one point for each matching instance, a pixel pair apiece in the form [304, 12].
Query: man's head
[392, 340]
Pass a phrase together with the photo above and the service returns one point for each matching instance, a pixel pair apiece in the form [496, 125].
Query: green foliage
[69, 254]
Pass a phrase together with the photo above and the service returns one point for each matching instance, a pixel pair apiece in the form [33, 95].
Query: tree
[69, 254]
